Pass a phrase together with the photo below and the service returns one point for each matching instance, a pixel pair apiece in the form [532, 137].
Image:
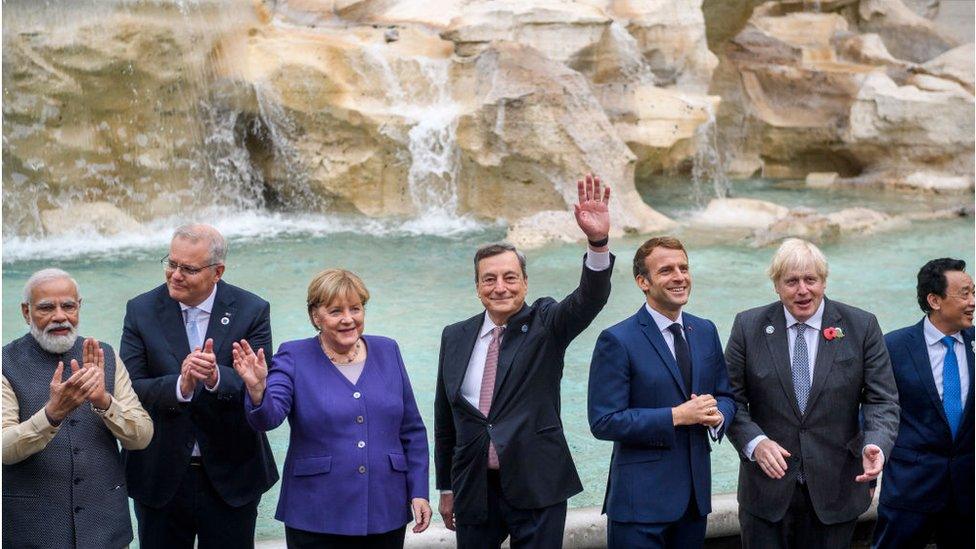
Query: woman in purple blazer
[357, 462]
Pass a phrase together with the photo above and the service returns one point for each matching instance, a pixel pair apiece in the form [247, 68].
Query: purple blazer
[357, 454]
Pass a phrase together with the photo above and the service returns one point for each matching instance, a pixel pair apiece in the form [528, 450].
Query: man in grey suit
[818, 408]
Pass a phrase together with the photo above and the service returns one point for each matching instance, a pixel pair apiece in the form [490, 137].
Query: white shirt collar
[814, 321]
[206, 306]
[662, 321]
[487, 326]
[934, 335]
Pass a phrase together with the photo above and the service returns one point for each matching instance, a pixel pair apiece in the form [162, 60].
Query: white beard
[52, 343]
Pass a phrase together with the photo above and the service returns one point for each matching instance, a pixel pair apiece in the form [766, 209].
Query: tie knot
[948, 341]
[191, 314]
[496, 332]
[800, 328]
[676, 329]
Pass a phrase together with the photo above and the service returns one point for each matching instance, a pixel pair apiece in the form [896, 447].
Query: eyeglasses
[171, 266]
[48, 308]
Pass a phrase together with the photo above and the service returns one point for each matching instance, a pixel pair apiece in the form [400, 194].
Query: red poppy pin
[833, 333]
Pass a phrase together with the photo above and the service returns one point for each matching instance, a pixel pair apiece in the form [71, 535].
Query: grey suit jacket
[853, 402]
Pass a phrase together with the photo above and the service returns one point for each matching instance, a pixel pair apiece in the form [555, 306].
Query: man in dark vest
[63, 481]
[205, 471]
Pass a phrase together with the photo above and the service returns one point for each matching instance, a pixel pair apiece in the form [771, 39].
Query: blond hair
[796, 254]
[331, 284]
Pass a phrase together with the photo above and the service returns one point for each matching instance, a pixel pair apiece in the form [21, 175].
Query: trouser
[196, 510]
[529, 528]
[904, 529]
[799, 528]
[686, 532]
[301, 539]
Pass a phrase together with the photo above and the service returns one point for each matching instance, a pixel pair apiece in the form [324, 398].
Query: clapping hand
[200, 365]
[65, 396]
[93, 358]
[253, 369]
[592, 211]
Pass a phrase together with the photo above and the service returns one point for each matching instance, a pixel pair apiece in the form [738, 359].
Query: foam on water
[251, 225]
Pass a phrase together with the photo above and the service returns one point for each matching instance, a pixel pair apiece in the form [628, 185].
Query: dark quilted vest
[72, 493]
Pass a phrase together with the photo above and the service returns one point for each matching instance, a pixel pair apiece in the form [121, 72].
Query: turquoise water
[421, 283]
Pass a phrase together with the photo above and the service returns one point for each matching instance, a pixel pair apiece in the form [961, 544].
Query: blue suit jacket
[634, 383]
[927, 468]
[357, 454]
[237, 460]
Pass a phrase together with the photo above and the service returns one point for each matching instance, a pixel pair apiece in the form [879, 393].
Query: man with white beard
[63, 480]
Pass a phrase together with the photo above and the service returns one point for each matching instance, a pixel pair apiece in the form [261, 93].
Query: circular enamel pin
[770, 329]
[225, 321]
[525, 328]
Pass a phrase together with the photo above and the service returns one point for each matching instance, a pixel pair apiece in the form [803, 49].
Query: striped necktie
[488, 386]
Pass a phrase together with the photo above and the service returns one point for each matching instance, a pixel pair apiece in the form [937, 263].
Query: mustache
[58, 325]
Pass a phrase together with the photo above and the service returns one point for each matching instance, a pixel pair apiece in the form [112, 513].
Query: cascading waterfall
[707, 164]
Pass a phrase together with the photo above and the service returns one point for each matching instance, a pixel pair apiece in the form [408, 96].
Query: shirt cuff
[217, 384]
[751, 447]
[447, 492]
[597, 261]
[179, 394]
[713, 431]
[39, 424]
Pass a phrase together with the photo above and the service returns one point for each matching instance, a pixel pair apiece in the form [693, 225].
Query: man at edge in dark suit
[502, 462]
[205, 470]
[817, 408]
[927, 487]
[658, 388]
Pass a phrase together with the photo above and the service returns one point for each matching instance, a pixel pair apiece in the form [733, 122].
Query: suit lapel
[826, 351]
[172, 325]
[511, 341]
[456, 362]
[694, 337]
[777, 344]
[653, 334]
[918, 350]
[223, 308]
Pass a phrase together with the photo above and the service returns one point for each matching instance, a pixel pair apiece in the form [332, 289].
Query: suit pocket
[398, 462]
[548, 429]
[904, 455]
[305, 467]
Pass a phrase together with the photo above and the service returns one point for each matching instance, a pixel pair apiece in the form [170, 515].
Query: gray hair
[197, 231]
[42, 276]
[489, 250]
[797, 254]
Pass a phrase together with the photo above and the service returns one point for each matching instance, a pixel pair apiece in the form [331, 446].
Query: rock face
[866, 89]
[453, 109]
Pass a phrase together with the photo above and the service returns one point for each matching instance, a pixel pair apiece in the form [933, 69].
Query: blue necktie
[192, 332]
[951, 398]
[801, 367]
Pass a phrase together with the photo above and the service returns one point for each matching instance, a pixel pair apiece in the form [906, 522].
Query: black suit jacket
[853, 401]
[536, 467]
[237, 459]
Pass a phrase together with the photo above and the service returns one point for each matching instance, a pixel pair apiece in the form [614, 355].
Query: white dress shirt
[663, 323]
[937, 353]
[471, 386]
[203, 320]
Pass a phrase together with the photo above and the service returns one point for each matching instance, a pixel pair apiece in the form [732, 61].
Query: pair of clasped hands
[86, 382]
[200, 365]
[698, 410]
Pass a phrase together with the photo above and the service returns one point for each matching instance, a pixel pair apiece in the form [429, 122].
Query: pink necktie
[488, 386]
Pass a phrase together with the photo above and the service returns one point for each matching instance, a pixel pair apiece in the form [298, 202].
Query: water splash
[708, 167]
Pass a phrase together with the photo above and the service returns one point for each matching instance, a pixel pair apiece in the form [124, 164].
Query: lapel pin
[525, 328]
[770, 329]
[226, 320]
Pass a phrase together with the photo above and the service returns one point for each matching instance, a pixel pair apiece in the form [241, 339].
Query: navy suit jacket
[634, 382]
[237, 459]
[927, 469]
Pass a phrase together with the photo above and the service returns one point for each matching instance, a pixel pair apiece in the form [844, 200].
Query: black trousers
[529, 528]
[687, 532]
[302, 539]
[904, 529]
[799, 529]
[197, 510]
